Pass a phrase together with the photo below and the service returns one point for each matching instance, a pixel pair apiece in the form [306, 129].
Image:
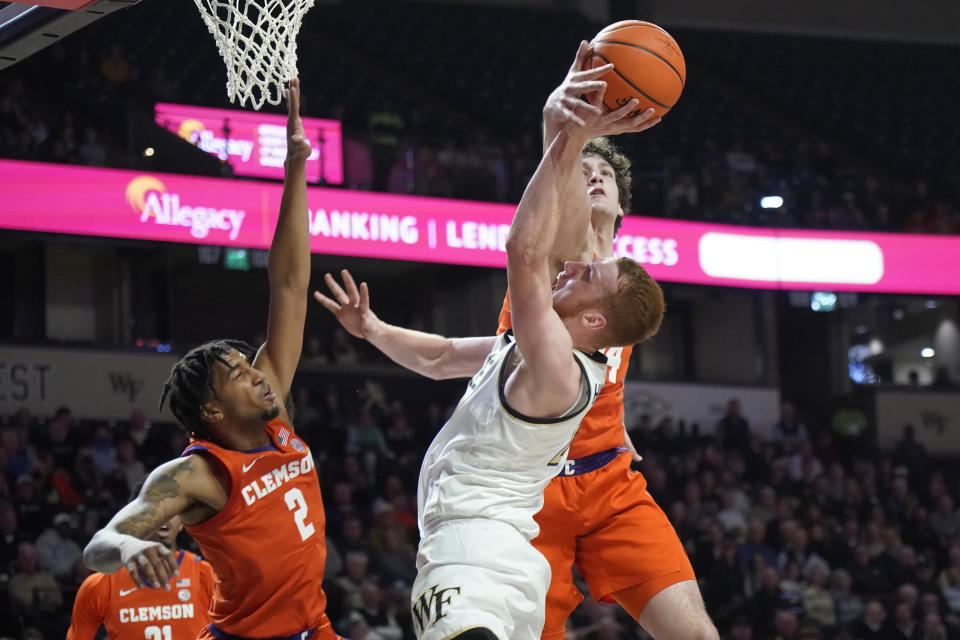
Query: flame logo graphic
[138, 188]
[189, 127]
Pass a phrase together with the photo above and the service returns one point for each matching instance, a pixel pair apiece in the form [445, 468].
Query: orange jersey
[602, 427]
[129, 613]
[267, 545]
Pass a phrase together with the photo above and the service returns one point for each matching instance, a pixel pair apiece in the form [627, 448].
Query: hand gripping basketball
[578, 104]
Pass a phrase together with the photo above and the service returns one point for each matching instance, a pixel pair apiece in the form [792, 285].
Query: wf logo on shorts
[428, 608]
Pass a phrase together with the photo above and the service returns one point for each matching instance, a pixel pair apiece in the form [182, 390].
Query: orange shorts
[606, 523]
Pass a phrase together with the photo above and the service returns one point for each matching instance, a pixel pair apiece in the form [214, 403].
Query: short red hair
[635, 311]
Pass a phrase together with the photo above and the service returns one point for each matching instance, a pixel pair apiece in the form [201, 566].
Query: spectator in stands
[818, 604]
[849, 605]
[138, 428]
[61, 438]
[730, 516]
[376, 613]
[789, 430]
[401, 439]
[765, 507]
[32, 513]
[755, 545]
[385, 128]
[803, 465]
[102, 451]
[396, 559]
[873, 624]
[358, 629]
[128, 463]
[733, 429]
[364, 435]
[904, 625]
[18, 457]
[785, 625]
[32, 590]
[945, 519]
[911, 453]
[765, 602]
[724, 585]
[356, 565]
[340, 505]
[353, 537]
[950, 588]
[933, 628]
[10, 539]
[56, 550]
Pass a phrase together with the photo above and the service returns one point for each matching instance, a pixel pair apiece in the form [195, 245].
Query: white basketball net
[258, 41]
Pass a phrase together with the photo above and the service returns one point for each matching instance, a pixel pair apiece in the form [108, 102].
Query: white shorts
[479, 573]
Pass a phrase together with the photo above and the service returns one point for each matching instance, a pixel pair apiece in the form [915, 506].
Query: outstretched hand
[566, 109]
[351, 305]
[298, 147]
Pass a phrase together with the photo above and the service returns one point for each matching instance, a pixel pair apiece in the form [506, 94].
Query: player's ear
[593, 320]
[211, 413]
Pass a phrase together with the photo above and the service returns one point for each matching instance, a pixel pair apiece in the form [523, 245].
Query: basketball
[647, 65]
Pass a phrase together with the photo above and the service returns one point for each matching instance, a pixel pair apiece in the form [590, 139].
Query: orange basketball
[647, 65]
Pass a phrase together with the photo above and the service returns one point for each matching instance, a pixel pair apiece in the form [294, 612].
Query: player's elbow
[523, 251]
[101, 556]
[289, 280]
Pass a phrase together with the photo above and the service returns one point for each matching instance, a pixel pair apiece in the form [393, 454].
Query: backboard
[28, 27]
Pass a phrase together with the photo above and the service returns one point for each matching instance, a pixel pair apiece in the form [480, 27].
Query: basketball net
[258, 42]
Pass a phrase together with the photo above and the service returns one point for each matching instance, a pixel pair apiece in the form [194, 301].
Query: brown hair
[635, 311]
[621, 168]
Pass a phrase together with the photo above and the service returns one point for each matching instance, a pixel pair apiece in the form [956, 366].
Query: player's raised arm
[178, 487]
[541, 335]
[428, 354]
[288, 267]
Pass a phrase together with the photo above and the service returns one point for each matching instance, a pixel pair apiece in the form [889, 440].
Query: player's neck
[602, 224]
[243, 436]
[582, 341]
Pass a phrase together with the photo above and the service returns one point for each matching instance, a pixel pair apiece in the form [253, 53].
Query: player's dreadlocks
[621, 169]
[190, 384]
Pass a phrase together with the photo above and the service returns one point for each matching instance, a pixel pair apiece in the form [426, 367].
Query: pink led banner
[170, 208]
[254, 143]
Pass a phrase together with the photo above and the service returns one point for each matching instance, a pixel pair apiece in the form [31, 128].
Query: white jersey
[490, 461]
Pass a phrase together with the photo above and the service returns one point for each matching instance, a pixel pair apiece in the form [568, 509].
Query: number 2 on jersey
[294, 500]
